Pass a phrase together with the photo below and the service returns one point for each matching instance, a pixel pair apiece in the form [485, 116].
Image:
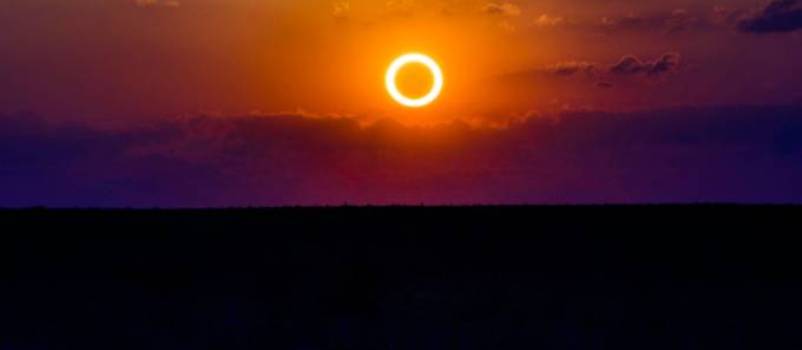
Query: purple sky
[734, 154]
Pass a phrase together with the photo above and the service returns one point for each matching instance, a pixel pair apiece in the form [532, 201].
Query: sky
[182, 103]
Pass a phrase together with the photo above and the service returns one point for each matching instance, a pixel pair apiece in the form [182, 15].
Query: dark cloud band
[778, 16]
[743, 154]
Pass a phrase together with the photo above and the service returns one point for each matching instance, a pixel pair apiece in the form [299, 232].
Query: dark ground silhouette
[695, 277]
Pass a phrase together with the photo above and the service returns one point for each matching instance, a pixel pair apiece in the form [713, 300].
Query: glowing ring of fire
[402, 61]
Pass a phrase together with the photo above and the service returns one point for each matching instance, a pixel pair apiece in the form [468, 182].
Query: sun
[412, 58]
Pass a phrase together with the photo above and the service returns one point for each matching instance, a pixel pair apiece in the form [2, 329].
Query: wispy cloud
[505, 9]
[157, 3]
[546, 21]
[603, 74]
[341, 9]
[504, 12]
[632, 65]
[400, 7]
[674, 21]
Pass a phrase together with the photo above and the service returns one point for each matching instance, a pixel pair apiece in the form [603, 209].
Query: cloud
[507, 26]
[341, 9]
[505, 12]
[547, 21]
[671, 22]
[570, 68]
[674, 21]
[603, 74]
[400, 7]
[745, 154]
[157, 3]
[727, 16]
[504, 9]
[777, 16]
[631, 65]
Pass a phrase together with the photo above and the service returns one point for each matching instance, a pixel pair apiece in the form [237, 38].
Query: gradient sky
[272, 102]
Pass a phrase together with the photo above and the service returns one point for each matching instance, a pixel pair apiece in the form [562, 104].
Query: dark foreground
[403, 278]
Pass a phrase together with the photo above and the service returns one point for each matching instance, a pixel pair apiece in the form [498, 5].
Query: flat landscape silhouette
[648, 277]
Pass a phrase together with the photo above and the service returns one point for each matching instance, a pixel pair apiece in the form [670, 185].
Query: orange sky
[501, 59]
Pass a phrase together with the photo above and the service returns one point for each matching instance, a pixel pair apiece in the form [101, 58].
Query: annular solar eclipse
[414, 58]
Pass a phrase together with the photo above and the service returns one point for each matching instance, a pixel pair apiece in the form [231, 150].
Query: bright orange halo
[430, 64]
